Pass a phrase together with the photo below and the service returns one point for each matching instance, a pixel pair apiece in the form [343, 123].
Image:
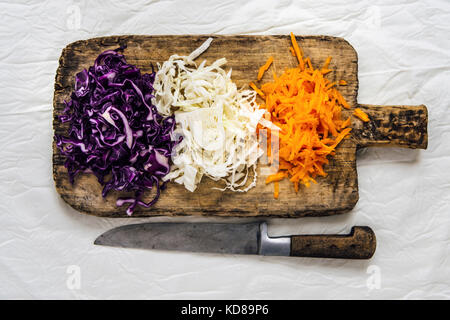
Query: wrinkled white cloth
[46, 248]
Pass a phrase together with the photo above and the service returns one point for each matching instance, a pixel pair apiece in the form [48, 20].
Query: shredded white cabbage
[217, 122]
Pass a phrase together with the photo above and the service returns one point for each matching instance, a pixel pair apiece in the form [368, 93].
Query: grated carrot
[361, 114]
[342, 82]
[327, 63]
[346, 123]
[264, 68]
[307, 108]
[292, 51]
[277, 189]
[298, 52]
[276, 177]
[254, 87]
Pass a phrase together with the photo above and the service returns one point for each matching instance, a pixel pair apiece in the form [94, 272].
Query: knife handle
[359, 244]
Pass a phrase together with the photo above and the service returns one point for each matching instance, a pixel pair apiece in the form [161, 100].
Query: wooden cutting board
[403, 126]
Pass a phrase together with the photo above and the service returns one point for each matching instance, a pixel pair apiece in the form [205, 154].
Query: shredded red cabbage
[115, 132]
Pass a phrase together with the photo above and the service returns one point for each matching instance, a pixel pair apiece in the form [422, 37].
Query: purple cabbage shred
[114, 130]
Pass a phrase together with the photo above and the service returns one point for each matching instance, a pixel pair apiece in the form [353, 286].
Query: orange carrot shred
[275, 177]
[277, 189]
[264, 68]
[327, 63]
[346, 123]
[298, 52]
[308, 62]
[254, 87]
[292, 51]
[342, 82]
[361, 114]
[307, 108]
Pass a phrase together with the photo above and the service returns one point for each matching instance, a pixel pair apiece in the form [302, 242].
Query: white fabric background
[404, 58]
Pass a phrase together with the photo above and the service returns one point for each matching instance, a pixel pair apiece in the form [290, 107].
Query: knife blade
[234, 238]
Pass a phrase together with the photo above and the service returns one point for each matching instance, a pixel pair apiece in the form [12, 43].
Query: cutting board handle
[359, 244]
[393, 126]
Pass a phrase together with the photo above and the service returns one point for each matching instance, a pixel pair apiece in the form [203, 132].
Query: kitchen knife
[232, 238]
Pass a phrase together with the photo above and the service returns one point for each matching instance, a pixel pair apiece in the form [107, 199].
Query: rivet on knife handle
[359, 244]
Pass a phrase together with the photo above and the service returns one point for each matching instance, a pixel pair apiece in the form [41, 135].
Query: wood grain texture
[336, 193]
[359, 244]
[399, 126]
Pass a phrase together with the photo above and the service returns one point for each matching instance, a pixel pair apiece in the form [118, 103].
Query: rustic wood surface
[403, 126]
[395, 126]
[359, 244]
